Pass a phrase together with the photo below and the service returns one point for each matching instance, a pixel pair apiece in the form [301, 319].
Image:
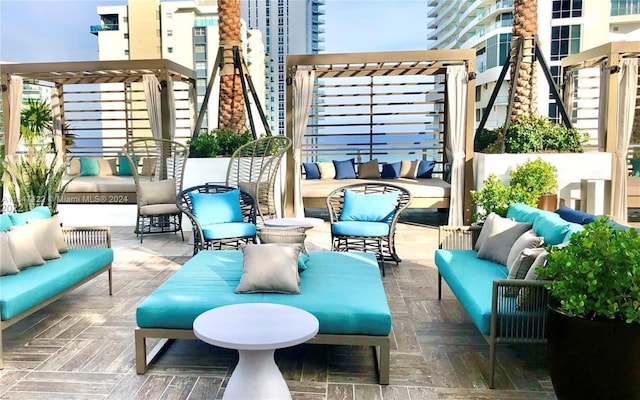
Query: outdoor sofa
[343, 290]
[505, 308]
[23, 293]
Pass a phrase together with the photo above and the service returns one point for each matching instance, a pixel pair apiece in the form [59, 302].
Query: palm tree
[523, 81]
[231, 111]
[36, 122]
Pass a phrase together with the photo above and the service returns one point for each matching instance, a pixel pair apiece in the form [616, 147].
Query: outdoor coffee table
[256, 330]
[304, 223]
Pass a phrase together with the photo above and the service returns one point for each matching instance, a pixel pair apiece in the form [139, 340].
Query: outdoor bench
[343, 290]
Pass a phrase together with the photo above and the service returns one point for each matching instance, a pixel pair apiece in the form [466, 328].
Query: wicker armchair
[254, 168]
[220, 235]
[157, 166]
[356, 235]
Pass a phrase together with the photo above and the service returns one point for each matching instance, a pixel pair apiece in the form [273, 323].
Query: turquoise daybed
[343, 290]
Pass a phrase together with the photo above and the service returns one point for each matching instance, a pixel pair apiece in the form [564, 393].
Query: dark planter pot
[593, 359]
[548, 202]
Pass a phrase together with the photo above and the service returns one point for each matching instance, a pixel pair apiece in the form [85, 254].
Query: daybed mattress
[343, 290]
[429, 188]
[100, 184]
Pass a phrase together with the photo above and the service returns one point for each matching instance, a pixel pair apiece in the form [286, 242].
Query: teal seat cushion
[522, 212]
[89, 166]
[357, 228]
[216, 208]
[471, 280]
[40, 212]
[5, 222]
[343, 290]
[373, 207]
[228, 230]
[34, 285]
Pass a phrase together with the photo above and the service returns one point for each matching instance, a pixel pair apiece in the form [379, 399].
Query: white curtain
[602, 105]
[302, 94]
[627, 89]
[172, 108]
[455, 143]
[15, 107]
[152, 96]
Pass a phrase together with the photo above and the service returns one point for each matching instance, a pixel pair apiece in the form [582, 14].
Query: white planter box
[572, 169]
[199, 171]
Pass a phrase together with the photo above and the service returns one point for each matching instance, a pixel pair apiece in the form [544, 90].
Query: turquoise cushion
[471, 280]
[303, 262]
[216, 208]
[368, 207]
[343, 290]
[40, 212]
[228, 230]
[360, 228]
[572, 228]
[522, 212]
[36, 284]
[5, 222]
[89, 166]
[551, 227]
[124, 166]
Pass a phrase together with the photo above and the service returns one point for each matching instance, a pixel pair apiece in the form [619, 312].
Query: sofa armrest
[457, 237]
[519, 310]
[87, 236]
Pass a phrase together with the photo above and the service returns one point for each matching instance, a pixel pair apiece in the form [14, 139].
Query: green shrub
[217, 143]
[535, 134]
[535, 176]
[496, 197]
[486, 139]
[597, 275]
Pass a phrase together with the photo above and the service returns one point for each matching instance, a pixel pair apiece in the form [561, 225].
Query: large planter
[593, 359]
[199, 171]
[548, 202]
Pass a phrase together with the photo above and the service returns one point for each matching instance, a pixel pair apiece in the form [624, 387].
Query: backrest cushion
[327, 169]
[369, 170]
[157, 192]
[40, 212]
[551, 227]
[345, 169]
[89, 166]
[425, 169]
[216, 208]
[572, 228]
[375, 207]
[575, 216]
[500, 239]
[5, 222]
[269, 268]
[311, 170]
[522, 212]
[391, 170]
[7, 263]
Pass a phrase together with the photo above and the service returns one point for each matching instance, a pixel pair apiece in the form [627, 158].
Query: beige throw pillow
[41, 235]
[409, 169]
[107, 167]
[327, 169]
[8, 265]
[54, 231]
[527, 240]
[369, 170]
[157, 192]
[503, 234]
[269, 268]
[74, 167]
[148, 166]
[23, 249]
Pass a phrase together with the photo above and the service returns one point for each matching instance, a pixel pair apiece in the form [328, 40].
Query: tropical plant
[231, 111]
[597, 275]
[36, 182]
[535, 134]
[496, 197]
[218, 142]
[36, 122]
[537, 177]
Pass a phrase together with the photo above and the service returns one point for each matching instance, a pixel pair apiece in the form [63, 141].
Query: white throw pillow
[484, 231]
[269, 268]
[500, 239]
[23, 249]
[54, 231]
[327, 169]
[8, 265]
[527, 240]
[41, 236]
[157, 192]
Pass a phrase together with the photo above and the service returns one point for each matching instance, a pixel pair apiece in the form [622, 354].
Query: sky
[59, 30]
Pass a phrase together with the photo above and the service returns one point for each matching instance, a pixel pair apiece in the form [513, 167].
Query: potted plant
[496, 197]
[217, 143]
[594, 323]
[539, 179]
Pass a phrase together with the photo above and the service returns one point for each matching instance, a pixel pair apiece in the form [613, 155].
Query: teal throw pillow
[89, 166]
[216, 208]
[376, 207]
[5, 222]
[40, 212]
[124, 166]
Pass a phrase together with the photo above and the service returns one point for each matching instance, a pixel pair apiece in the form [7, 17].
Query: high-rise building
[185, 32]
[288, 27]
[564, 27]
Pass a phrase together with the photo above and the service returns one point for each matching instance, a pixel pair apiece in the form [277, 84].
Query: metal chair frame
[383, 246]
[247, 206]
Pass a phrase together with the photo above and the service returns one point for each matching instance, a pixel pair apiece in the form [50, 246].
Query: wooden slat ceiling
[383, 69]
[92, 72]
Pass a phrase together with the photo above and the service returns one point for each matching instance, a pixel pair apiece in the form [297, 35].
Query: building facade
[185, 32]
[288, 27]
[564, 27]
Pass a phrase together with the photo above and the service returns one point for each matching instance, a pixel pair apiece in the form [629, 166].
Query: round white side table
[256, 330]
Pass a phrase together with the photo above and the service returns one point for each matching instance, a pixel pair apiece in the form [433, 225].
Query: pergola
[160, 75]
[614, 74]
[445, 89]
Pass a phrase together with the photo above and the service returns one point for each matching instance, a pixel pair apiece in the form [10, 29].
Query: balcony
[105, 27]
